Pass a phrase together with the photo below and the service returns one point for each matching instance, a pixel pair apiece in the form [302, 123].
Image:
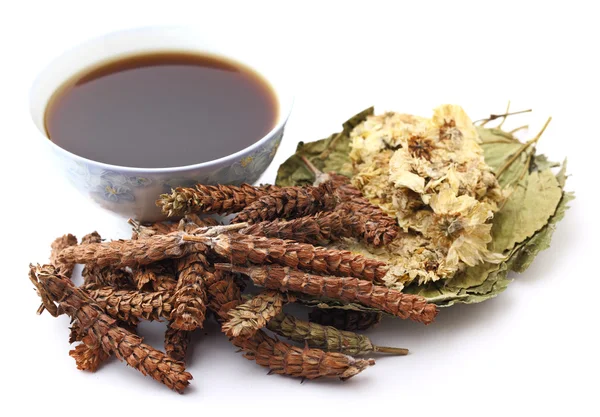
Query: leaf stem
[498, 116]
[392, 350]
[312, 168]
[504, 118]
[523, 147]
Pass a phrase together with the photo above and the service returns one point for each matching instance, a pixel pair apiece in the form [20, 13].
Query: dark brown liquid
[161, 110]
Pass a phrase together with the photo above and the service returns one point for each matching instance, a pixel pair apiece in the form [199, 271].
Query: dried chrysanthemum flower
[453, 124]
[412, 258]
[389, 130]
[460, 225]
[402, 164]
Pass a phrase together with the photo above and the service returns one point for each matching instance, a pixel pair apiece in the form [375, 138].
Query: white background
[531, 349]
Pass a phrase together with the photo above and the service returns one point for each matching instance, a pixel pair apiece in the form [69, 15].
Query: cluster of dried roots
[180, 271]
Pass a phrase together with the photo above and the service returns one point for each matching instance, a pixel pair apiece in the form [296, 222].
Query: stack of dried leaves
[395, 215]
[473, 202]
[179, 272]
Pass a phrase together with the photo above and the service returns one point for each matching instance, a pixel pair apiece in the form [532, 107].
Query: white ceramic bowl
[132, 192]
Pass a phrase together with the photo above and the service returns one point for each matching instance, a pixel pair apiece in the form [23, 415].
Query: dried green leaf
[473, 276]
[540, 163]
[491, 283]
[561, 177]
[523, 258]
[494, 135]
[528, 209]
[329, 154]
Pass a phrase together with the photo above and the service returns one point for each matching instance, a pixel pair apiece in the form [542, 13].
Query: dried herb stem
[223, 293]
[219, 199]
[288, 203]
[521, 149]
[281, 358]
[344, 289]
[88, 354]
[344, 319]
[177, 343]
[247, 318]
[103, 329]
[190, 295]
[63, 242]
[241, 250]
[134, 253]
[368, 222]
[327, 337]
[130, 306]
[284, 359]
[320, 229]
[498, 116]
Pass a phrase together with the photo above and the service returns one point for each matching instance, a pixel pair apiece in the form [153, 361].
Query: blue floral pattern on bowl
[132, 192]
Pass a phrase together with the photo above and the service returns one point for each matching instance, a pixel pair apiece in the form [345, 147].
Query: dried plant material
[164, 282]
[528, 209]
[126, 346]
[130, 306]
[192, 222]
[246, 319]
[88, 354]
[436, 183]
[327, 155]
[288, 203]
[219, 199]
[417, 263]
[344, 319]
[134, 253]
[93, 237]
[526, 253]
[369, 222]
[485, 281]
[57, 246]
[223, 293]
[320, 229]
[327, 338]
[95, 277]
[281, 358]
[190, 295]
[141, 231]
[146, 275]
[176, 343]
[344, 289]
[436, 207]
[242, 250]
[284, 359]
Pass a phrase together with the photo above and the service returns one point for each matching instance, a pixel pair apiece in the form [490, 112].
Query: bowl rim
[283, 112]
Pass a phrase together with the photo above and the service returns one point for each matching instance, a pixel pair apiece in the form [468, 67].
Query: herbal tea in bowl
[132, 114]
